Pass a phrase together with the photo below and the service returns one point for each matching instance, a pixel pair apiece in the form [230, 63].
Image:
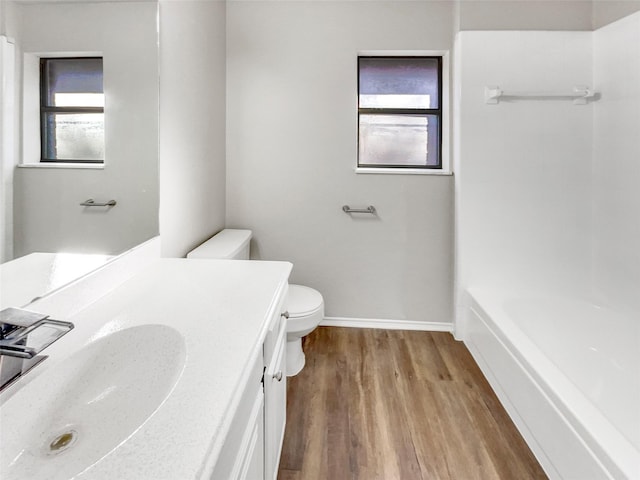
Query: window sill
[403, 171]
[77, 166]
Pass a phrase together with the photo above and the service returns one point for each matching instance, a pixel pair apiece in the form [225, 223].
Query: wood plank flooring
[389, 404]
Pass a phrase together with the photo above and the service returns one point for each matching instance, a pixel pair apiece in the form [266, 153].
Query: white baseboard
[387, 324]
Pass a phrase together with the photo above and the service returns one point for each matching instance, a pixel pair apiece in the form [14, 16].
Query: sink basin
[81, 409]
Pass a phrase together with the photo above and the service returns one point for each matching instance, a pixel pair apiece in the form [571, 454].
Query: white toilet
[304, 305]
[306, 310]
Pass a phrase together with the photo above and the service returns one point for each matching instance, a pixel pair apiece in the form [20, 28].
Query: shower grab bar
[370, 209]
[92, 203]
[580, 94]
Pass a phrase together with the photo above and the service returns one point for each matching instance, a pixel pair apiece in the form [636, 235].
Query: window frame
[438, 112]
[45, 109]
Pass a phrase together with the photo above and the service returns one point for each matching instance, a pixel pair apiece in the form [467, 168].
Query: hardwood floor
[388, 404]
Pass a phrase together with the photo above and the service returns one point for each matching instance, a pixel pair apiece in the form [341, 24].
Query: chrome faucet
[23, 335]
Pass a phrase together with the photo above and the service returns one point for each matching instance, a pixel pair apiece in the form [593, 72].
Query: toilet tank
[229, 243]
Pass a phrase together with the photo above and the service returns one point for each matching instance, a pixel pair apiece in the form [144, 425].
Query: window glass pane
[399, 140]
[398, 82]
[73, 81]
[78, 99]
[74, 136]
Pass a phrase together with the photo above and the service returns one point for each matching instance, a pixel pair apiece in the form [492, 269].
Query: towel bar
[370, 209]
[580, 94]
[92, 203]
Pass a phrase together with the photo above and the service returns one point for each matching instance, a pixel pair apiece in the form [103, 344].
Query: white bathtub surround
[572, 391]
[616, 169]
[547, 201]
[523, 167]
[546, 190]
[222, 338]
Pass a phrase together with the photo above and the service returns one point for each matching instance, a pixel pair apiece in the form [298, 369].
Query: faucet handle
[24, 334]
[12, 319]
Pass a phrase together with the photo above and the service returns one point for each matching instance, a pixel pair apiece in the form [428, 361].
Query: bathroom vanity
[175, 369]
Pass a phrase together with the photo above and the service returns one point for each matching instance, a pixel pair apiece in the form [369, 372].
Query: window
[400, 112]
[71, 110]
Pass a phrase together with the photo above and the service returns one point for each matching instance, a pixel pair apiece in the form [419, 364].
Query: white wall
[8, 133]
[291, 153]
[607, 11]
[523, 168]
[525, 14]
[7, 155]
[192, 123]
[616, 166]
[541, 14]
[47, 212]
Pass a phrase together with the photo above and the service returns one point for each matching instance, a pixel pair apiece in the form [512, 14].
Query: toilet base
[295, 357]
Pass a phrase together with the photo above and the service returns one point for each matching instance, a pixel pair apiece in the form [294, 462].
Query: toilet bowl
[306, 310]
[304, 305]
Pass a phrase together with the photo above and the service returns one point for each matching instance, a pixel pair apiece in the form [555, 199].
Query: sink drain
[63, 441]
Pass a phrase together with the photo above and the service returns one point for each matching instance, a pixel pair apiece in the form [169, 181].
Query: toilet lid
[302, 300]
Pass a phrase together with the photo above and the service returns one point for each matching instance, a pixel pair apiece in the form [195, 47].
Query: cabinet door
[242, 454]
[275, 399]
[252, 465]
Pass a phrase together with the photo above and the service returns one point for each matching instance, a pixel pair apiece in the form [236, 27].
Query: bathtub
[568, 373]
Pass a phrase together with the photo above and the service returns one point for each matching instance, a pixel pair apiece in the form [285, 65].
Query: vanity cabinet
[275, 392]
[242, 455]
[251, 450]
[202, 407]
[252, 458]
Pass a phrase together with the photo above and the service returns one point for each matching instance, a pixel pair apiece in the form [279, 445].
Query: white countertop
[222, 309]
[36, 274]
